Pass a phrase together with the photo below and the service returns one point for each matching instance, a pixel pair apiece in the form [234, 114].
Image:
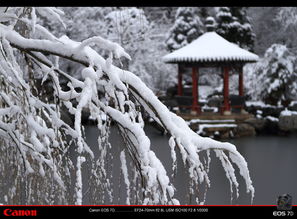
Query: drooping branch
[189, 143]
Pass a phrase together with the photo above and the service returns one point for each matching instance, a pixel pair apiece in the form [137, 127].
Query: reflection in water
[272, 161]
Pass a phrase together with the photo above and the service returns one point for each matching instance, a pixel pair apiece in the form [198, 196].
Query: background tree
[128, 27]
[234, 25]
[160, 15]
[187, 27]
[156, 74]
[131, 29]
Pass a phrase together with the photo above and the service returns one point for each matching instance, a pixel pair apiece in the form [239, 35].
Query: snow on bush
[36, 142]
[273, 78]
[287, 112]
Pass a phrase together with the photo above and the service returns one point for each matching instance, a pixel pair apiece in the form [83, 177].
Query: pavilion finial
[210, 24]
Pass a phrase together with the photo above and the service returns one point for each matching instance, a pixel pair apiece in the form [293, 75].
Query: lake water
[272, 161]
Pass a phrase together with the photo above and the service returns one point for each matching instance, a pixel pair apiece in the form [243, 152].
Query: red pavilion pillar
[226, 108]
[240, 82]
[195, 104]
[241, 88]
[180, 81]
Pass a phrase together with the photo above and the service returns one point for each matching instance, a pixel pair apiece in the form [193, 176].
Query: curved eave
[209, 60]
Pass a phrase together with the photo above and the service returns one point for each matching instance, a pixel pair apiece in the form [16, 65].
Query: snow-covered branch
[123, 92]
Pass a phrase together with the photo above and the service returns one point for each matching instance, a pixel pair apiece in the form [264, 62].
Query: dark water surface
[272, 161]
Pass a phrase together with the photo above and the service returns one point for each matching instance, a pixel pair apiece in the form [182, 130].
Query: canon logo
[10, 212]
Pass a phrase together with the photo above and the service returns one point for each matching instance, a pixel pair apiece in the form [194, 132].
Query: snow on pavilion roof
[210, 47]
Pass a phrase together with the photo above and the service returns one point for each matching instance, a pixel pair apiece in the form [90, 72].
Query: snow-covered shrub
[37, 143]
[273, 78]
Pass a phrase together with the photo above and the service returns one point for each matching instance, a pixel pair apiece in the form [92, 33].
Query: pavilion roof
[210, 47]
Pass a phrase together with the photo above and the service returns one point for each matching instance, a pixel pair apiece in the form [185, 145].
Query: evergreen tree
[246, 32]
[224, 23]
[187, 27]
[204, 12]
[234, 25]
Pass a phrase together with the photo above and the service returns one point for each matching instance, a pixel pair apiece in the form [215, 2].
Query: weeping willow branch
[118, 105]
